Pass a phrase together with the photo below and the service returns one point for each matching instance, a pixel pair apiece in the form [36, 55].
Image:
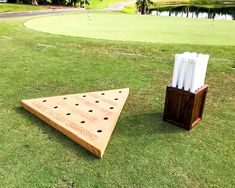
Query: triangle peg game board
[87, 118]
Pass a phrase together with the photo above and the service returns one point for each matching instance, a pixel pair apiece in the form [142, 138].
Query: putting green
[138, 28]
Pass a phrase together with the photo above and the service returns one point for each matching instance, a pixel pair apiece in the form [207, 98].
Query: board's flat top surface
[90, 116]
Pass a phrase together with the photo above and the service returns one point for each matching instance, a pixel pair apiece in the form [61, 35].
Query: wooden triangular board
[87, 118]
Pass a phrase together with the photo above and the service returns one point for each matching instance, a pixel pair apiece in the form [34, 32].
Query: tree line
[143, 5]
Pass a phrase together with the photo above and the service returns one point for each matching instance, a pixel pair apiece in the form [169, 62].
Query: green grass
[5, 7]
[170, 1]
[130, 9]
[139, 28]
[143, 150]
[102, 4]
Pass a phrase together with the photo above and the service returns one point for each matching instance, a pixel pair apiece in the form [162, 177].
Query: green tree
[143, 6]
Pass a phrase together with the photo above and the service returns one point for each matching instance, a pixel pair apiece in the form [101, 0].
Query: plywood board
[86, 118]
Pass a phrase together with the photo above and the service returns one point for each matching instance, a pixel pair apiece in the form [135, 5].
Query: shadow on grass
[55, 135]
[147, 124]
[143, 124]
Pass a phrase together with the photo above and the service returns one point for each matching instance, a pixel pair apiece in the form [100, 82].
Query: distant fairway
[138, 28]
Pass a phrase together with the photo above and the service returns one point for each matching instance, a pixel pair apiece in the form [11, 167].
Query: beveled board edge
[61, 129]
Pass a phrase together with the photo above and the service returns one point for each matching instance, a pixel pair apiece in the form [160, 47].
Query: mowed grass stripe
[141, 28]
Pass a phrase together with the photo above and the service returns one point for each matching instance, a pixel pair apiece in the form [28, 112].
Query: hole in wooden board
[99, 131]
[76, 104]
[96, 101]
[102, 93]
[68, 114]
[55, 106]
[82, 121]
[65, 98]
[90, 110]
[119, 91]
[116, 99]
[44, 101]
[84, 96]
[111, 107]
[106, 118]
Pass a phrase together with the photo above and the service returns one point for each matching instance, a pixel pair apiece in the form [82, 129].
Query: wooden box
[183, 108]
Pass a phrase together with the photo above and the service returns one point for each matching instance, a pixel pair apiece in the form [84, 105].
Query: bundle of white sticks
[189, 71]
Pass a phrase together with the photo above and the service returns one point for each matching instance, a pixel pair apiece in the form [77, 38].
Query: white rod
[178, 58]
[205, 63]
[187, 55]
[193, 84]
[182, 72]
[186, 71]
[200, 71]
[189, 71]
[188, 75]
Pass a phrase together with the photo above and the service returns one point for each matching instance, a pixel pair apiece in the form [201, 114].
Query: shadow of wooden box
[183, 108]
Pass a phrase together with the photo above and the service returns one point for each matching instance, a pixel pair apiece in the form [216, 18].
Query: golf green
[143, 28]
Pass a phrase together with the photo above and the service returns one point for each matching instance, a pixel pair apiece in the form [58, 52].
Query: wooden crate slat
[183, 108]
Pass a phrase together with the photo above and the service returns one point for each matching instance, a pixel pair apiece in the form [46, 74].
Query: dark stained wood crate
[183, 108]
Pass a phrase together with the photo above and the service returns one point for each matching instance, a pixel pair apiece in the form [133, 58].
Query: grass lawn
[139, 28]
[9, 7]
[171, 1]
[143, 150]
[6, 7]
[102, 3]
[130, 9]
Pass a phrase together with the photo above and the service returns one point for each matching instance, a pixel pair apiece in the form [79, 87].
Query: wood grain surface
[87, 118]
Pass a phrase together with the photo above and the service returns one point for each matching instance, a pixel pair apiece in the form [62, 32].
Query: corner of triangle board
[87, 118]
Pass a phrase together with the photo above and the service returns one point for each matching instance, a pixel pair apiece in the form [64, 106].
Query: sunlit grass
[143, 28]
[143, 150]
[5, 7]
